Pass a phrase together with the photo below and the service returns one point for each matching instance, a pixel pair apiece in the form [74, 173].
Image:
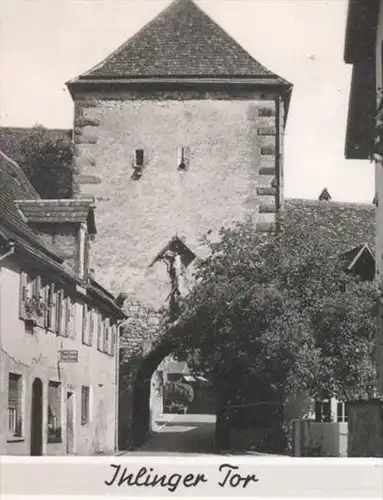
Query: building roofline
[263, 84]
[180, 80]
[333, 203]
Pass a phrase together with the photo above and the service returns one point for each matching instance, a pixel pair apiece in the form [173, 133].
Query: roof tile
[182, 41]
[346, 225]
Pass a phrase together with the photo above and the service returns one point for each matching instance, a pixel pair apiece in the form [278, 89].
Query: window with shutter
[59, 311]
[14, 405]
[50, 310]
[36, 286]
[39, 293]
[100, 333]
[54, 412]
[85, 405]
[92, 325]
[113, 339]
[85, 325]
[23, 294]
[107, 336]
[66, 317]
[72, 322]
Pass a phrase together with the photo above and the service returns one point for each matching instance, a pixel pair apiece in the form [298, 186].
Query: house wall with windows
[78, 395]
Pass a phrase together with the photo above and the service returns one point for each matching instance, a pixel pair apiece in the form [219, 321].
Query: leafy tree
[47, 163]
[178, 392]
[272, 315]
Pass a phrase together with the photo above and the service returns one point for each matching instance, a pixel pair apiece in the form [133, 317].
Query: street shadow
[176, 423]
[193, 438]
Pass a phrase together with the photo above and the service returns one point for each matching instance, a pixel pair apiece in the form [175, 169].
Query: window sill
[14, 439]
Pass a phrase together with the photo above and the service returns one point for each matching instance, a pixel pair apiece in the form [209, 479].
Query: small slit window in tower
[139, 158]
[138, 164]
[183, 158]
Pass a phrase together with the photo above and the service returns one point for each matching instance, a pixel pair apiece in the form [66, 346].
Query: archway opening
[173, 410]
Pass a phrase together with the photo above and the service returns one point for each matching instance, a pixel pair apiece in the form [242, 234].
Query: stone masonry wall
[233, 140]
[63, 238]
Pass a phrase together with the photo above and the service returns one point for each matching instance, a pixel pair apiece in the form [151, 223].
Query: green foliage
[47, 163]
[273, 314]
[179, 393]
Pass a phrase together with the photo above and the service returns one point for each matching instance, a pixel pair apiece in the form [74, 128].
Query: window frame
[342, 415]
[100, 332]
[85, 328]
[59, 316]
[18, 433]
[323, 410]
[139, 158]
[85, 405]
[183, 158]
[57, 435]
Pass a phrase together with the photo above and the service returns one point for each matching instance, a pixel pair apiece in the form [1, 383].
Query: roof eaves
[87, 203]
[106, 297]
[125, 44]
[12, 230]
[330, 203]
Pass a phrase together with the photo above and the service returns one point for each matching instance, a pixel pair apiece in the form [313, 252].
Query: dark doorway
[69, 423]
[141, 394]
[37, 418]
[141, 413]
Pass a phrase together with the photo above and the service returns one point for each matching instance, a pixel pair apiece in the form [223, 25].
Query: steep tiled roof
[182, 41]
[14, 227]
[14, 184]
[346, 225]
[56, 211]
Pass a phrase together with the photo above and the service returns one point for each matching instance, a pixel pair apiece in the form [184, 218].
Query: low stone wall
[365, 429]
[320, 439]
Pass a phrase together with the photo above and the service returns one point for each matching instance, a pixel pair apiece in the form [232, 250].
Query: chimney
[65, 226]
[325, 195]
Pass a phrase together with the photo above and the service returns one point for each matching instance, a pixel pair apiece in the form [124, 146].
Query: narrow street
[176, 434]
[184, 435]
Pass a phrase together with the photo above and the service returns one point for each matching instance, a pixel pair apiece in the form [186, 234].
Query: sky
[45, 43]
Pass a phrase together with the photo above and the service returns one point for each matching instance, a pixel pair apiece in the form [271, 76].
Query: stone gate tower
[177, 133]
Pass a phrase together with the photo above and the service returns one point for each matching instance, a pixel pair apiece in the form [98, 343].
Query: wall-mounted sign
[68, 356]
